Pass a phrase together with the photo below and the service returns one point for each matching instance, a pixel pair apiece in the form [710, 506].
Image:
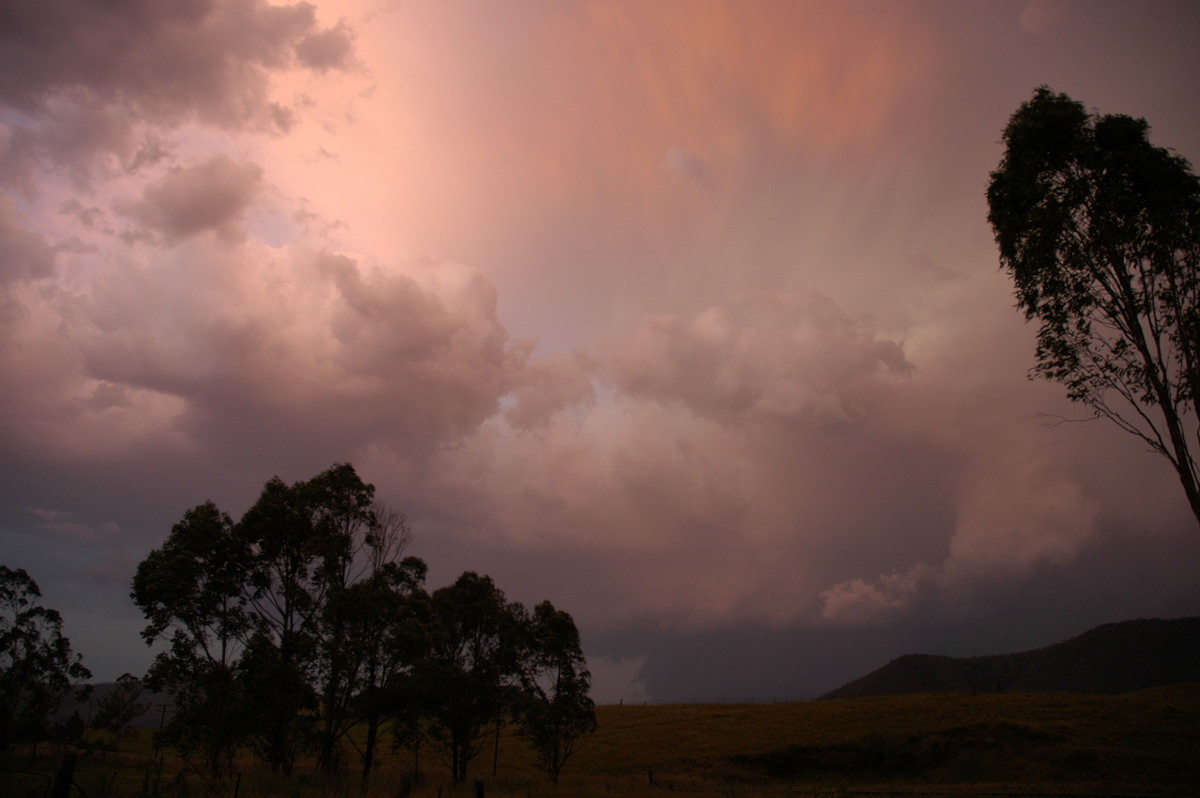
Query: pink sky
[683, 315]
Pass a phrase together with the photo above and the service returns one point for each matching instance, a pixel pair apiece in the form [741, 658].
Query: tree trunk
[333, 716]
[368, 757]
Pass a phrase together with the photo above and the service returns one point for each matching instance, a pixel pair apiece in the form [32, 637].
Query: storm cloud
[689, 323]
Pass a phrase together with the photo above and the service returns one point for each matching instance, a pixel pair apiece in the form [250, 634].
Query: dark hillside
[1110, 659]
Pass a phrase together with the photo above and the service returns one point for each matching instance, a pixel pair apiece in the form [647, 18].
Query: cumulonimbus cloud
[775, 456]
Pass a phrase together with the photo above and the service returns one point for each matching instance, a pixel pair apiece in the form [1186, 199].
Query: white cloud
[857, 602]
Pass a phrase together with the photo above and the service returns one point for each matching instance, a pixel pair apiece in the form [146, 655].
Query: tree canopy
[192, 592]
[37, 667]
[1100, 232]
[302, 620]
[556, 712]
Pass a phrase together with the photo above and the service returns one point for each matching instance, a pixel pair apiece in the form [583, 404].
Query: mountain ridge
[1113, 658]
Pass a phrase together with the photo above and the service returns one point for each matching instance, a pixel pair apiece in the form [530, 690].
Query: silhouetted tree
[380, 621]
[475, 663]
[192, 592]
[389, 623]
[296, 624]
[264, 644]
[555, 712]
[279, 703]
[303, 537]
[37, 667]
[362, 633]
[1100, 231]
[121, 706]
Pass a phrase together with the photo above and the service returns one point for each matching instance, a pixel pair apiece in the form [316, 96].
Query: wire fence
[723, 700]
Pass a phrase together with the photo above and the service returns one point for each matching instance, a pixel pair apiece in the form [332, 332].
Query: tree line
[303, 620]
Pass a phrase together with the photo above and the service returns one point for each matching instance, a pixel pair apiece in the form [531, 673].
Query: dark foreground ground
[1145, 743]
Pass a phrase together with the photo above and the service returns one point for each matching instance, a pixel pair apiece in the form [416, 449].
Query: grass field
[1145, 743]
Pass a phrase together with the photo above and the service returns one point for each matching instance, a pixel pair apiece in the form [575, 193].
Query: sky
[685, 316]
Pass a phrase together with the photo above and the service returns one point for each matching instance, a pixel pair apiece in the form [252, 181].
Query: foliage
[192, 587]
[300, 555]
[380, 622]
[37, 666]
[255, 648]
[299, 623]
[1100, 231]
[121, 706]
[208, 721]
[474, 665]
[279, 702]
[192, 594]
[555, 712]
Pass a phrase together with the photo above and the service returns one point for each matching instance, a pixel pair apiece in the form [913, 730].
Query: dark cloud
[97, 88]
[328, 49]
[164, 59]
[211, 196]
[78, 132]
[755, 661]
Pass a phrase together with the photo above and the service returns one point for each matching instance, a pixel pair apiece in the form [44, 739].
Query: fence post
[479, 789]
[66, 775]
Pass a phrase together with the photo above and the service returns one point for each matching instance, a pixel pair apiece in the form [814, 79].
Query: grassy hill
[1110, 659]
